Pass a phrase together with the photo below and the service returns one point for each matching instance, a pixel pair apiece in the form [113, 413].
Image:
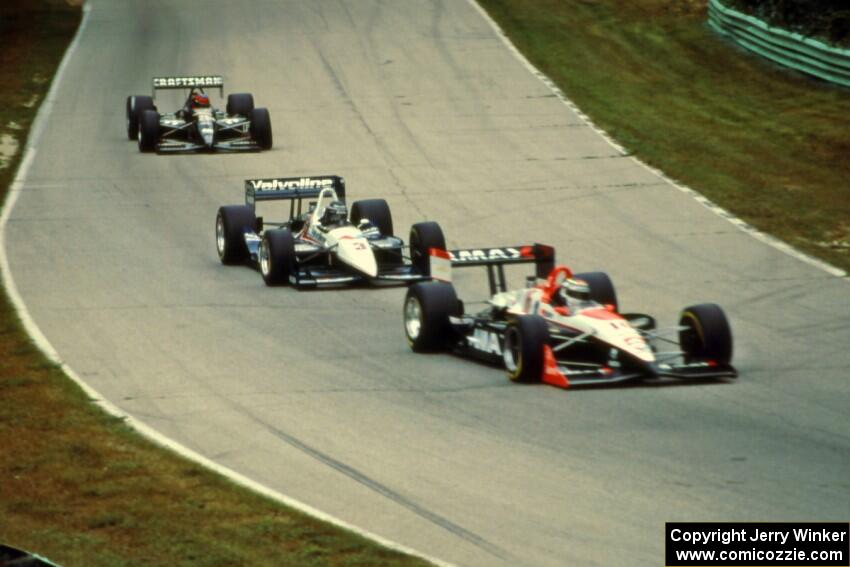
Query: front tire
[261, 128]
[524, 354]
[706, 334]
[277, 257]
[377, 211]
[231, 224]
[423, 237]
[148, 130]
[601, 288]
[240, 103]
[135, 106]
[427, 308]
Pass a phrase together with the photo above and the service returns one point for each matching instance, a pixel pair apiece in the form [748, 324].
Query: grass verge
[766, 143]
[76, 485]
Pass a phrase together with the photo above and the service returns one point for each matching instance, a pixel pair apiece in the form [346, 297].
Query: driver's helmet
[335, 214]
[575, 292]
[200, 100]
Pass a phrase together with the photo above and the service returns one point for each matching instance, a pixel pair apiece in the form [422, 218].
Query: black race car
[198, 126]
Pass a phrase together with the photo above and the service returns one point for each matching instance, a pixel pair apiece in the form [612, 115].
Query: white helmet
[575, 290]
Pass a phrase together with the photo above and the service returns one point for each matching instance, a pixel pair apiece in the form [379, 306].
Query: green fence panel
[786, 48]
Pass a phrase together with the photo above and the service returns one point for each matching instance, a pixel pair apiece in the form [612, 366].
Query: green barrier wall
[784, 47]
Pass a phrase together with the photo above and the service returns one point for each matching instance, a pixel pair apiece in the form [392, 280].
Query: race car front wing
[174, 146]
[483, 338]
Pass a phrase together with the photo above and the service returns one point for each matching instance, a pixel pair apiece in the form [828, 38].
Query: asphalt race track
[316, 394]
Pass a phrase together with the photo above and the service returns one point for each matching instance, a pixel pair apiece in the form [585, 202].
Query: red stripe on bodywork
[601, 314]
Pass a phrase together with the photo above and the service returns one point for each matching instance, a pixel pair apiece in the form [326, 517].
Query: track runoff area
[757, 544]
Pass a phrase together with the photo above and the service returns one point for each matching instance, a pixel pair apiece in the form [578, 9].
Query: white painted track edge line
[140, 427]
[740, 224]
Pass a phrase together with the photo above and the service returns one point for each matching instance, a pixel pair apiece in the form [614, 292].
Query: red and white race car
[564, 329]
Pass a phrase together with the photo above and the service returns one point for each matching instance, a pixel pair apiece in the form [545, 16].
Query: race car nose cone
[206, 128]
[357, 253]
[207, 133]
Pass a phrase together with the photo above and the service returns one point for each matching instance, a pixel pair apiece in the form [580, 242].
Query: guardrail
[786, 48]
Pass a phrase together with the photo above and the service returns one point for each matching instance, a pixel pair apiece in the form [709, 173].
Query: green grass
[768, 144]
[81, 488]
[78, 486]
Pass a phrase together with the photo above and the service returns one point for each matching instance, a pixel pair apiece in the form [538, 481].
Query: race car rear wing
[495, 259]
[196, 81]
[293, 189]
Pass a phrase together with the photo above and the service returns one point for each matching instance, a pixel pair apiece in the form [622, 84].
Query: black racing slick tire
[377, 211]
[277, 256]
[427, 308]
[524, 354]
[601, 288]
[240, 103]
[231, 224]
[148, 130]
[136, 105]
[423, 237]
[707, 335]
[261, 128]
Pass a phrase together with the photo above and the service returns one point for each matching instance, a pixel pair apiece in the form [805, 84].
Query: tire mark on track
[379, 488]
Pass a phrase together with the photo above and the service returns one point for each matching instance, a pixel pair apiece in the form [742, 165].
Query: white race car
[324, 244]
[564, 329]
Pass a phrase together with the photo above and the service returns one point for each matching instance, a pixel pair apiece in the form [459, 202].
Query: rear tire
[423, 237]
[261, 128]
[240, 103]
[601, 288]
[148, 130]
[135, 106]
[277, 256]
[707, 334]
[231, 224]
[377, 211]
[427, 308]
[523, 354]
